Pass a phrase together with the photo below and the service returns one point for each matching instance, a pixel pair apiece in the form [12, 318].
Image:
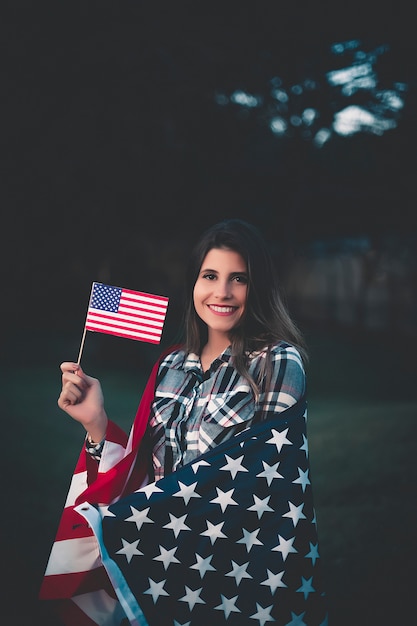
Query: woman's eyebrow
[208, 269]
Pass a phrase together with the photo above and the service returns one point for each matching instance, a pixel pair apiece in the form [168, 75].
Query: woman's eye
[209, 276]
[241, 279]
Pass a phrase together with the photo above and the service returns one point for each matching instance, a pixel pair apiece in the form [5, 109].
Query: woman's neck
[212, 349]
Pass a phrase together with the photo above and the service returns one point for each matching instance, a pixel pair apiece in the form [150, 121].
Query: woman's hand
[82, 398]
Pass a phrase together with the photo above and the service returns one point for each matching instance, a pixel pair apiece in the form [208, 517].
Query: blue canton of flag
[105, 297]
[229, 539]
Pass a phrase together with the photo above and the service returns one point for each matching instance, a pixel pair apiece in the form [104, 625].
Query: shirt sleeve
[287, 382]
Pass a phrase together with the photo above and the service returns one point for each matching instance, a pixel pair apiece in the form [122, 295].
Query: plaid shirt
[193, 410]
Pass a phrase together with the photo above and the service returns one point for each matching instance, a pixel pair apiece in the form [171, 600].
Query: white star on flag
[285, 546]
[214, 531]
[279, 439]
[139, 517]
[228, 605]
[239, 572]
[302, 479]
[150, 489]
[274, 580]
[295, 513]
[177, 524]
[167, 556]
[129, 549]
[203, 565]
[192, 597]
[187, 492]
[195, 466]
[305, 445]
[224, 498]
[260, 506]
[234, 466]
[156, 589]
[263, 615]
[250, 539]
[270, 472]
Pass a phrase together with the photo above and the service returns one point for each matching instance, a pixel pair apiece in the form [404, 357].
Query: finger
[69, 366]
[70, 395]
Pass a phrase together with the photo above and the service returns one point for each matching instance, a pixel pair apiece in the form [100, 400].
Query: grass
[362, 432]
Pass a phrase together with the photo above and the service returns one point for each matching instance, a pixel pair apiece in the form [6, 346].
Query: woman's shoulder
[283, 347]
[172, 356]
[279, 347]
[279, 351]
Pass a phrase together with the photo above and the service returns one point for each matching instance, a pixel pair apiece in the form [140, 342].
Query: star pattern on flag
[203, 565]
[306, 587]
[314, 553]
[234, 466]
[129, 549]
[214, 531]
[279, 439]
[295, 513]
[228, 539]
[250, 539]
[167, 556]
[285, 546]
[239, 572]
[139, 517]
[156, 589]
[227, 605]
[192, 597]
[270, 472]
[302, 479]
[260, 506]
[274, 581]
[224, 499]
[177, 524]
[187, 492]
[263, 615]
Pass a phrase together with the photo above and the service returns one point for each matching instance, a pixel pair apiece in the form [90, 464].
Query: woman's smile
[222, 310]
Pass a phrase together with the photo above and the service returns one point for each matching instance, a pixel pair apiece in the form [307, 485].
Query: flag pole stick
[81, 346]
[85, 329]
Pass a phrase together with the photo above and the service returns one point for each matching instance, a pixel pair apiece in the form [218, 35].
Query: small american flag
[126, 313]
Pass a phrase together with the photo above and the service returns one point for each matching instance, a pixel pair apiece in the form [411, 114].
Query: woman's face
[220, 291]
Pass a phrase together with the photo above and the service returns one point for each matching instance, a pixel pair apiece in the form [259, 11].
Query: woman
[237, 378]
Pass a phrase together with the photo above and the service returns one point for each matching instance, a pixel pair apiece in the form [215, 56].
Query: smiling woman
[221, 414]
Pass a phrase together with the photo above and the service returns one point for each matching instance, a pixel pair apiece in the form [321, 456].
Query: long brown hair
[266, 319]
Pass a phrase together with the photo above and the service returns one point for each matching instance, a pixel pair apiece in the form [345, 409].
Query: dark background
[120, 142]
[117, 147]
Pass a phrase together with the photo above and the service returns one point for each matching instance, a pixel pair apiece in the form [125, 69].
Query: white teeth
[222, 309]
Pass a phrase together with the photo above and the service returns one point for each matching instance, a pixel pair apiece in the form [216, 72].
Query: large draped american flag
[229, 539]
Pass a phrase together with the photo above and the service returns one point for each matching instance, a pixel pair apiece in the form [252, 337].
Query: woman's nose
[222, 289]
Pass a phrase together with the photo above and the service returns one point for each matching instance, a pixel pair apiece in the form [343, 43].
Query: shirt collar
[192, 360]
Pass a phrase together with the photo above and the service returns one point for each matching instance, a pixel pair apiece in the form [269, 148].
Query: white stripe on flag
[71, 556]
